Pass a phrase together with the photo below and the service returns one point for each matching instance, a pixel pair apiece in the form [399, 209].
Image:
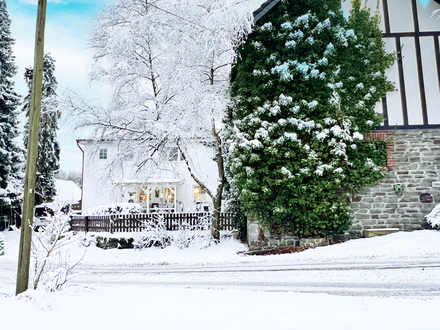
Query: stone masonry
[259, 239]
[414, 161]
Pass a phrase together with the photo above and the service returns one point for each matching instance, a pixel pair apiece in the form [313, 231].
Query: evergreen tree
[304, 90]
[10, 154]
[48, 146]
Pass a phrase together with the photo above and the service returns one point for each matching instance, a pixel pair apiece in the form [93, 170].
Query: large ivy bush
[304, 91]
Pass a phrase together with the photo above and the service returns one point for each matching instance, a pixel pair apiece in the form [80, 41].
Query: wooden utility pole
[24, 255]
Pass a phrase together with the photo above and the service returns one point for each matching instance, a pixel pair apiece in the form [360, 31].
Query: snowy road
[407, 279]
[400, 265]
[382, 283]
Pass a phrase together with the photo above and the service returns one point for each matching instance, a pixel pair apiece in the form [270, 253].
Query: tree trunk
[217, 201]
[215, 227]
[217, 198]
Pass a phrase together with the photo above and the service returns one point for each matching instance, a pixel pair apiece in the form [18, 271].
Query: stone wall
[259, 239]
[414, 161]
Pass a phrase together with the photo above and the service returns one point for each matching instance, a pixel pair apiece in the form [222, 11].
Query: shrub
[155, 234]
[51, 265]
[304, 91]
[433, 218]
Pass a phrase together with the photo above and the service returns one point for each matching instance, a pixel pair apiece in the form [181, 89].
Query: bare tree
[168, 63]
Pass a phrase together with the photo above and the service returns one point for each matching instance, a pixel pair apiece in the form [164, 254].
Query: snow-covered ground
[388, 282]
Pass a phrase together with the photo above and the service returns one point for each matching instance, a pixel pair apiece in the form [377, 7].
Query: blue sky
[67, 29]
[424, 2]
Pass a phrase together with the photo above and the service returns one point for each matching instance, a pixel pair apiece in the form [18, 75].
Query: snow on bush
[154, 234]
[186, 235]
[198, 234]
[2, 244]
[433, 218]
[296, 152]
[114, 208]
[51, 265]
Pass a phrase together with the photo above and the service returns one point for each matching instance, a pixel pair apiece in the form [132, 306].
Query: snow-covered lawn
[162, 308]
[140, 305]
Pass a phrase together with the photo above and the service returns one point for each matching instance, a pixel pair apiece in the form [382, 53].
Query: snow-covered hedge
[433, 218]
[114, 208]
[155, 234]
[304, 91]
[51, 262]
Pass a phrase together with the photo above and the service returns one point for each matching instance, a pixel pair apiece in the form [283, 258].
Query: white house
[161, 184]
[412, 120]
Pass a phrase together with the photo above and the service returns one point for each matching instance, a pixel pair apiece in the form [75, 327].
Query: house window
[144, 196]
[382, 152]
[199, 194]
[175, 154]
[102, 153]
[128, 157]
[169, 195]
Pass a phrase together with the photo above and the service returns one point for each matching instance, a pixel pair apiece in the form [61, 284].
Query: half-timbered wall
[412, 118]
[412, 121]
[412, 31]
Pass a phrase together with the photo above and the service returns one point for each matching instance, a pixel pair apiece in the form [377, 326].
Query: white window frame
[103, 153]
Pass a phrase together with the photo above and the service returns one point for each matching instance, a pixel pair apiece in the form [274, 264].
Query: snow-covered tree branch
[11, 156]
[168, 63]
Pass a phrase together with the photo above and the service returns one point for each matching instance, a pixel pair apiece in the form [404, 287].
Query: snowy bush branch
[51, 265]
[168, 63]
[155, 234]
[433, 218]
[304, 93]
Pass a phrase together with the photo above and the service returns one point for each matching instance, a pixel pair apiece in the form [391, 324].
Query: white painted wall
[401, 21]
[110, 181]
[428, 22]
[394, 100]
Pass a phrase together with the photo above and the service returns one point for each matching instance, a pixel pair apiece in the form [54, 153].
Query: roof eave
[264, 9]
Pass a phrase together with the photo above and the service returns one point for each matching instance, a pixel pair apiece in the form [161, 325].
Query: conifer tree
[10, 155]
[304, 90]
[48, 146]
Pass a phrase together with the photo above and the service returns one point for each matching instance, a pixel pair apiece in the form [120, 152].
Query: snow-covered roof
[151, 180]
[268, 5]
[114, 208]
[67, 191]
[109, 141]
